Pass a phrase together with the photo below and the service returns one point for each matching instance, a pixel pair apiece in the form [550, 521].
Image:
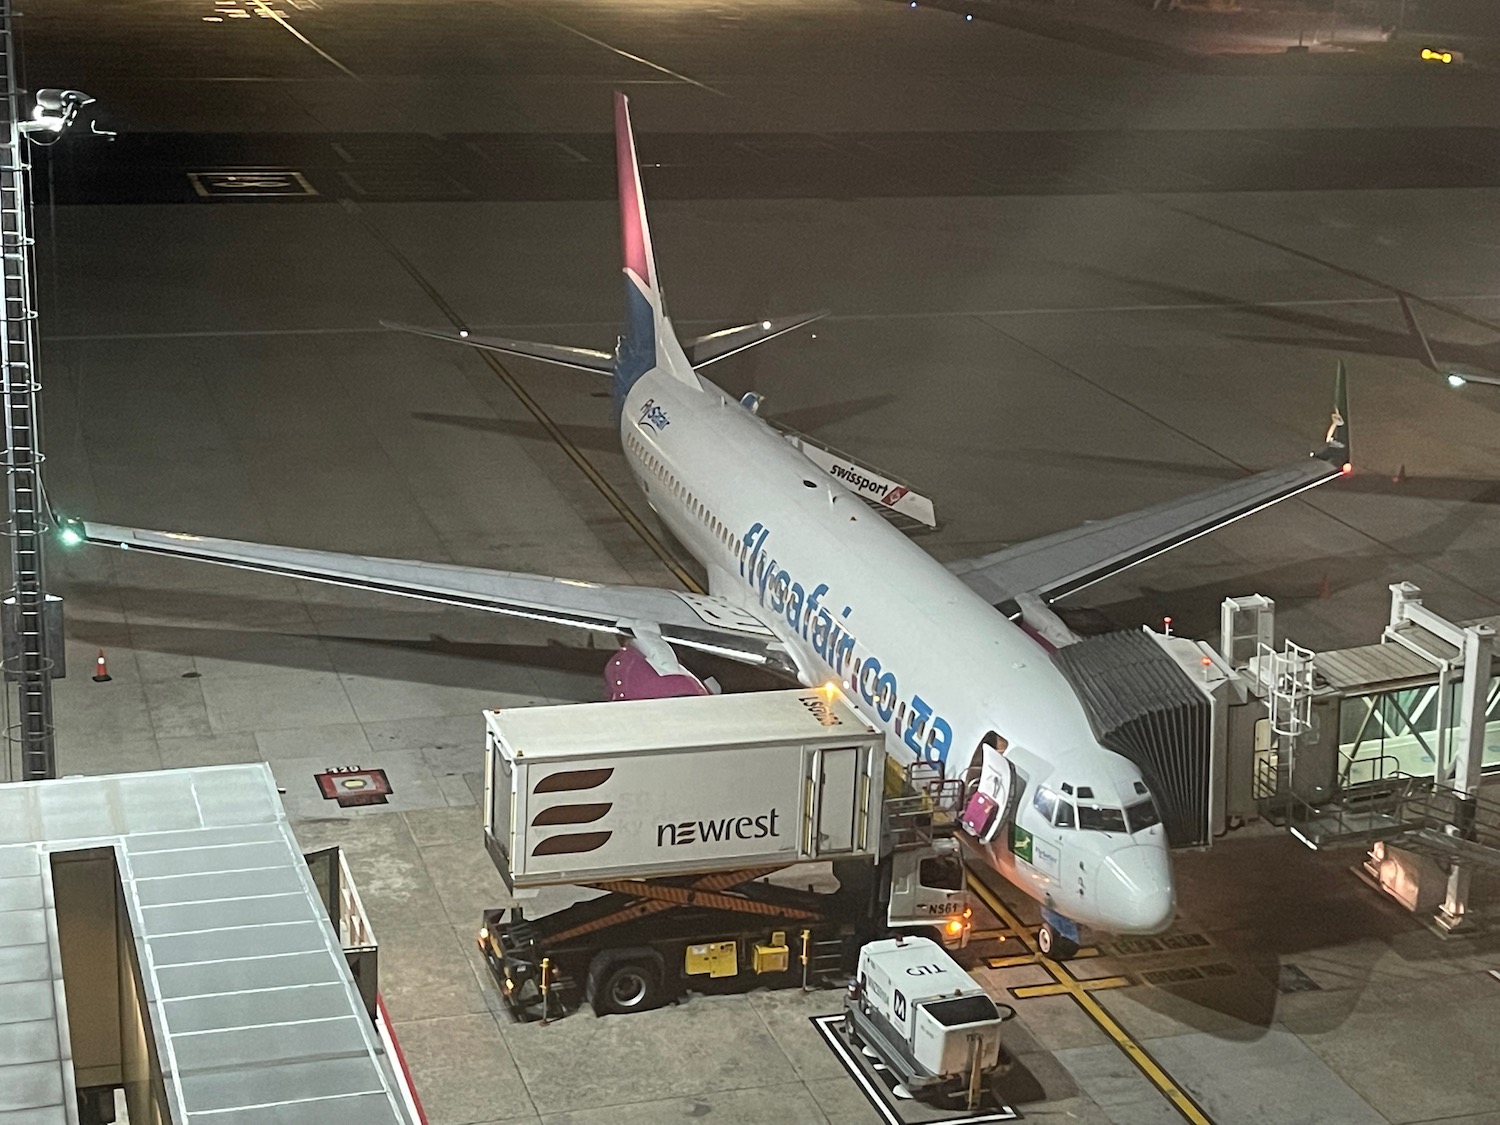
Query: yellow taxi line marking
[574, 454]
[1030, 991]
[1016, 959]
[1067, 984]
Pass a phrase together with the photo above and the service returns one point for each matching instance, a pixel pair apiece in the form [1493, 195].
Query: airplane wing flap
[694, 620]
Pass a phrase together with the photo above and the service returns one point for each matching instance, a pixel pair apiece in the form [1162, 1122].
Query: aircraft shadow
[1417, 486]
[465, 663]
[1331, 332]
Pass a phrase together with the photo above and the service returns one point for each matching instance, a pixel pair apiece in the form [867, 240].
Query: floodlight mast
[27, 660]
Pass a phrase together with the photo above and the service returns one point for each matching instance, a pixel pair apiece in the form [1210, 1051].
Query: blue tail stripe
[637, 346]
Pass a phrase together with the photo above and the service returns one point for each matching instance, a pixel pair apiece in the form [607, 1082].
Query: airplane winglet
[1336, 442]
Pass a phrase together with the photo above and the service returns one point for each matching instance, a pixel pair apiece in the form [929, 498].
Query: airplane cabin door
[992, 781]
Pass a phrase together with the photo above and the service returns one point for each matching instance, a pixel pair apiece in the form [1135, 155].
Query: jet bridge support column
[1476, 648]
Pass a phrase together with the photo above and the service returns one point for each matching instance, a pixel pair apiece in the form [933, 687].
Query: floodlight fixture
[54, 111]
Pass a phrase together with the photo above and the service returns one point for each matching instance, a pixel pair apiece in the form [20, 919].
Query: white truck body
[933, 1008]
[639, 789]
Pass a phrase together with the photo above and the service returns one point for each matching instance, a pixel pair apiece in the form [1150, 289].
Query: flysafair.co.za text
[926, 734]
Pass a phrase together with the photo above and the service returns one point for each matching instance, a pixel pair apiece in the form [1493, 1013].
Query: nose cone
[1135, 890]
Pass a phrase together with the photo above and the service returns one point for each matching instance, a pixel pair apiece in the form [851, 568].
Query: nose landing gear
[1057, 937]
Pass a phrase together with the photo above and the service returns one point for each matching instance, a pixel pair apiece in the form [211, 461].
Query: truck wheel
[625, 986]
[1054, 945]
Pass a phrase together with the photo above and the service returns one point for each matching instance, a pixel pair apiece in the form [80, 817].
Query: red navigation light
[1347, 469]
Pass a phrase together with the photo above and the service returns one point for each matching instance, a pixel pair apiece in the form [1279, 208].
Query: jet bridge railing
[1414, 812]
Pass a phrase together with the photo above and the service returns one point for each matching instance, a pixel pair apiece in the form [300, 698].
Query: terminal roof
[254, 1013]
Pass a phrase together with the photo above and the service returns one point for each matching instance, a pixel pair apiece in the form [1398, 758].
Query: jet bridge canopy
[161, 933]
[1144, 707]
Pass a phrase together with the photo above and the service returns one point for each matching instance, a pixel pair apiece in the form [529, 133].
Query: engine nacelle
[647, 668]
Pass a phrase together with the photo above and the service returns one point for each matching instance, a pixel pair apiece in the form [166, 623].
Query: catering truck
[705, 842]
[927, 1020]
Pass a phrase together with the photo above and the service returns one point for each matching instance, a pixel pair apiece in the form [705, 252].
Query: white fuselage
[924, 658]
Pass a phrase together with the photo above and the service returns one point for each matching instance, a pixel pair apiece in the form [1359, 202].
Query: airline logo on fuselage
[654, 417]
[927, 734]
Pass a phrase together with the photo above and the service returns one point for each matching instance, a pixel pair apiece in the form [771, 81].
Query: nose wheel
[1053, 944]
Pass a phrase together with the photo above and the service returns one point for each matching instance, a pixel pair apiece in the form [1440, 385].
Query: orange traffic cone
[1324, 590]
[101, 670]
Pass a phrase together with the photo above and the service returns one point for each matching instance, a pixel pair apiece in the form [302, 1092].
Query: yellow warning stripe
[1069, 985]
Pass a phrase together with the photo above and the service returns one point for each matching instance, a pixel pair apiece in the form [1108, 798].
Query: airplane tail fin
[1336, 442]
[645, 312]
[647, 341]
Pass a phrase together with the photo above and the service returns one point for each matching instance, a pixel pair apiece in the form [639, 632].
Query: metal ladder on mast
[26, 660]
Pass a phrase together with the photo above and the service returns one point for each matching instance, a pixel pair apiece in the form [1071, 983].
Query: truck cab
[928, 894]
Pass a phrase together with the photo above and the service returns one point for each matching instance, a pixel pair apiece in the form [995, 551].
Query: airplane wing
[1057, 565]
[693, 621]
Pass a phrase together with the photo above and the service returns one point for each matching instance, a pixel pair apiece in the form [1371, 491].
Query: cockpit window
[1142, 815]
[1085, 792]
[1045, 802]
[1064, 817]
[1100, 820]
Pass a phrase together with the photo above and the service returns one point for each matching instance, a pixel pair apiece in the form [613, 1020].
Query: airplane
[807, 579]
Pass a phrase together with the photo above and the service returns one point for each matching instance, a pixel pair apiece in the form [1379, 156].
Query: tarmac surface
[1066, 280]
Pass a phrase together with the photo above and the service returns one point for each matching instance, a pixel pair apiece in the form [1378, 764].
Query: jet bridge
[1384, 745]
[1347, 746]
